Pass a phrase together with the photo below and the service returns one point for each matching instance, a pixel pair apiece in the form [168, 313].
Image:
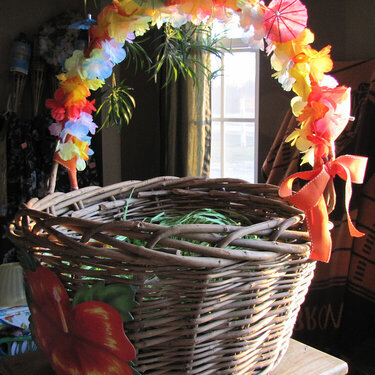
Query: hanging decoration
[38, 76]
[284, 20]
[19, 70]
[321, 106]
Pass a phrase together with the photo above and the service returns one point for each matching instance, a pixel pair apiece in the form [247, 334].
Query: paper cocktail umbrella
[84, 24]
[284, 20]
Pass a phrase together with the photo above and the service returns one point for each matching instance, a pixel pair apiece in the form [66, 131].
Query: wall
[25, 16]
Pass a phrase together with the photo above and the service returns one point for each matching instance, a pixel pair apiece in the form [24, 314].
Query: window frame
[237, 45]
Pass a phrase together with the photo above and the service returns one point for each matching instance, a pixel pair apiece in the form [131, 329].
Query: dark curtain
[185, 124]
[338, 315]
[170, 133]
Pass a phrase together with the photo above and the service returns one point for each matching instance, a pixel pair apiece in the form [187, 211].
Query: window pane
[215, 163]
[239, 80]
[239, 150]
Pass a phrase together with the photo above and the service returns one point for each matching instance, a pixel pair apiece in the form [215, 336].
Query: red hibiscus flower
[89, 106]
[57, 105]
[86, 339]
[73, 111]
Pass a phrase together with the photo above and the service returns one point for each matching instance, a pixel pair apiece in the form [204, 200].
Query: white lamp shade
[12, 290]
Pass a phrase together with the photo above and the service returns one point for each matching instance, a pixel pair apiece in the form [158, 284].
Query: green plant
[181, 51]
[136, 56]
[118, 103]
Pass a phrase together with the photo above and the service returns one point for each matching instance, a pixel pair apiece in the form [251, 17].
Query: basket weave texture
[203, 308]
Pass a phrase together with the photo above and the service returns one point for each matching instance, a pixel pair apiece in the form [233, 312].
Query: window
[234, 132]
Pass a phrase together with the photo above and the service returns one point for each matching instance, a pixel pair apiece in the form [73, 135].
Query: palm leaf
[178, 51]
[137, 56]
[119, 105]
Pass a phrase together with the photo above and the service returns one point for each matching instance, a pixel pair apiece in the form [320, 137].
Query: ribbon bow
[311, 200]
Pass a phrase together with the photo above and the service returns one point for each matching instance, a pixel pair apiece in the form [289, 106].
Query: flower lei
[321, 106]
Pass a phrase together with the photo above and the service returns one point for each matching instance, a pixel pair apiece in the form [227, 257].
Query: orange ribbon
[310, 199]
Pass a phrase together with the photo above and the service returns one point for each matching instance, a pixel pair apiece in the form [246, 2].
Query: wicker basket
[218, 310]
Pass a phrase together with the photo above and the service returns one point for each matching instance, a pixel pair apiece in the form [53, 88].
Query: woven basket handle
[51, 183]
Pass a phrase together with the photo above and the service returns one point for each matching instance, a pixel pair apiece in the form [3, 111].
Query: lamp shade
[12, 290]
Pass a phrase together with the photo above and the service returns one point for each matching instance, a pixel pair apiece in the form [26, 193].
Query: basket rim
[36, 211]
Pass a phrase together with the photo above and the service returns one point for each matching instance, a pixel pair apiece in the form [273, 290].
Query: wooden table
[300, 359]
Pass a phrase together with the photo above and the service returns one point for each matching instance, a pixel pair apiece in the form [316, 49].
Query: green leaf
[119, 105]
[82, 295]
[136, 56]
[135, 372]
[119, 296]
[178, 52]
[27, 261]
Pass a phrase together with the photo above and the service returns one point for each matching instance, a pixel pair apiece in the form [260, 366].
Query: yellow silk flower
[193, 6]
[75, 90]
[92, 84]
[297, 62]
[299, 139]
[310, 66]
[319, 62]
[73, 65]
[74, 148]
[129, 7]
[120, 26]
[283, 53]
